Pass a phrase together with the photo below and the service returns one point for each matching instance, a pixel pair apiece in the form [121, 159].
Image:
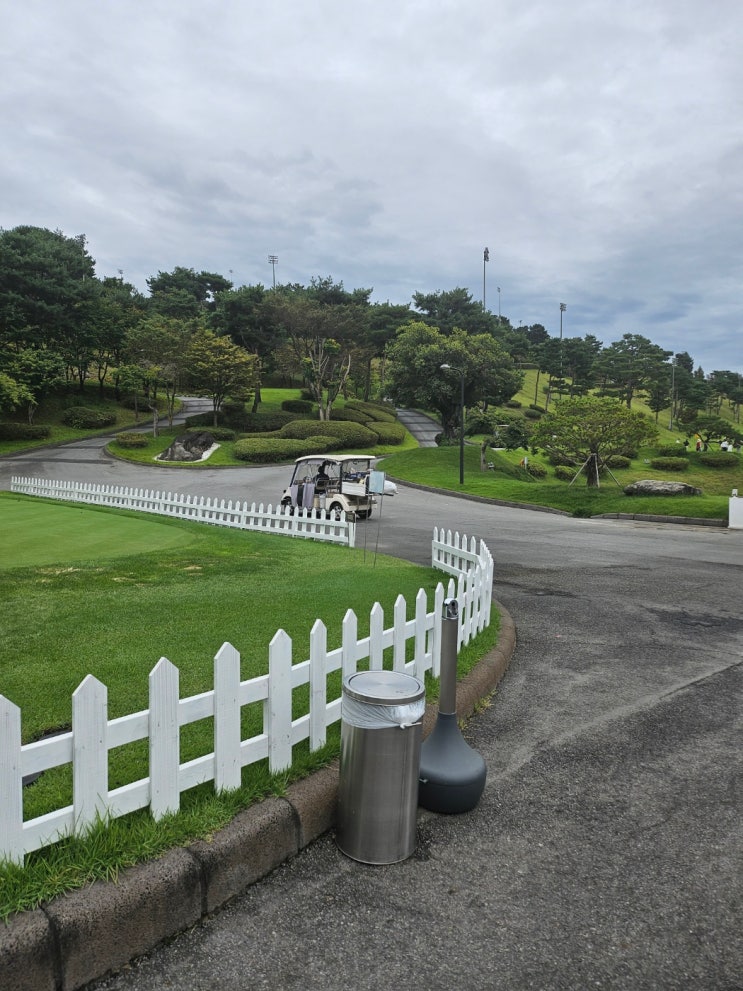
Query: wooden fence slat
[279, 703]
[164, 739]
[11, 783]
[318, 685]
[227, 763]
[89, 752]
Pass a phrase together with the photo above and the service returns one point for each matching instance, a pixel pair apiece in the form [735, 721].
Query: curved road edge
[79, 937]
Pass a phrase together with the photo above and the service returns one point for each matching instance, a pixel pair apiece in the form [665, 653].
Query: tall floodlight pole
[451, 368]
[485, 258]
[273, 261]
[563, 307]
[673, 389]
[498, 304]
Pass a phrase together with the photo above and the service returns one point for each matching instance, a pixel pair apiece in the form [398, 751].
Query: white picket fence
[86, 746]
[282, 520]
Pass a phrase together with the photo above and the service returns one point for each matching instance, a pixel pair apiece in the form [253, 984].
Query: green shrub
[537, 407]
[617, 461]
[536, 470]
[218, 433]
[257, 423]
[670, 464]
[232, 409]
[24, 431]
[297, 406]
[672, 451]
[513, 404]
[130, 439]
[274, 450]
[388, 433]
[719, 459]
[352, 414]
[556, 458]
[350, 434]
[565, 473]
[84, 418]
[532, 414]
[373, 411]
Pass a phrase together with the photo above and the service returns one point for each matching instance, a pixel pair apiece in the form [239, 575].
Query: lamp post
[498, 304]
[450, 368]
[563, 307]
[485, 258]
[273, 261]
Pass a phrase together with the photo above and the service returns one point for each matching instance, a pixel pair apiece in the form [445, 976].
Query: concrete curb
[80, 937]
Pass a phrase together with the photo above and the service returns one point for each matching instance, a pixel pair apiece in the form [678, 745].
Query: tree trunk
[592, 471]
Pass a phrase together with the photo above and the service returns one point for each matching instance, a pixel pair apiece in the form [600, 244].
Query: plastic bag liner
[378, 700]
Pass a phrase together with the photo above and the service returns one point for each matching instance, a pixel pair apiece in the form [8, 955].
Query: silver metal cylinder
[379, 766]
[449, 646]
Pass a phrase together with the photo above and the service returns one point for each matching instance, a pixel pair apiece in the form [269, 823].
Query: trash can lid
[383, 687]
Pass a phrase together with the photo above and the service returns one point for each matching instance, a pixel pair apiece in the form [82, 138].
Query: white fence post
[318, 685]
[227, 764]
[90, 752]
[164, 739]
[11, 783]
[279, 704]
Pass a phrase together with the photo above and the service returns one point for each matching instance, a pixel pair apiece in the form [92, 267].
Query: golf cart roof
[340, 458]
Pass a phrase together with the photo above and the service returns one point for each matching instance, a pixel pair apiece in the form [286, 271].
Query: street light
[451, 368]
[485, 258]
[499, 304]
[563, 307]
[273, 261]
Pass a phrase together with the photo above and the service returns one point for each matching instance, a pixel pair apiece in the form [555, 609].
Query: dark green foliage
[254, 423]
[617, 461]
[388, 433]
[218, 433]
[672, 451]
[24, 431]
[670, 464]
[536, 407]
[560, 459]
[350, 434]
[513, 404]
[350, 414]
[297, 406]
[373, 411]
[130, 439]
[536, 470]
[84, 418]
[719, 459]
[565, 473]
[531, 414]
[274, 450]
[232, 409]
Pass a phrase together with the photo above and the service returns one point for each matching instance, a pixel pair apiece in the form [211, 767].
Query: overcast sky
[595, 147]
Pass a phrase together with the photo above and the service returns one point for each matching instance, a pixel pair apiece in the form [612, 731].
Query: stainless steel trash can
[381, 713]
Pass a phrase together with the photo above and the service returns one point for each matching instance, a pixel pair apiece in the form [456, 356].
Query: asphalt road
[607, 849]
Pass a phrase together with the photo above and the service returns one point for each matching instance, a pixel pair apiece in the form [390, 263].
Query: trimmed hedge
[350, 413]
[388, 433]
[84, 418]
[670, 464]
[531, 414]
[350, 434]
[672, 451]
[265, 451]
[254, 423]
[617, 461]
[565, 473]
[719, 459]
[373, 411]
[297, 406]
[218, 433]
[130, 439]
[536, 470]
[24, 431]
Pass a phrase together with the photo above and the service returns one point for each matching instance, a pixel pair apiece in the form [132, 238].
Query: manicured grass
[439, 468]
[113, 612]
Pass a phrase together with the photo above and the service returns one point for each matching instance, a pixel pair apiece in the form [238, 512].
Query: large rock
[649, 486]
[189, 447]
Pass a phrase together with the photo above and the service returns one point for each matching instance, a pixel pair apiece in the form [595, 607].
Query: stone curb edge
[81, 936]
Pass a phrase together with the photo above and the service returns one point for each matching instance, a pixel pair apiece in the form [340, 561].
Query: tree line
[60, 323]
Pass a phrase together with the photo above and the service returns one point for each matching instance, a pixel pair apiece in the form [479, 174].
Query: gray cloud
[596, 149]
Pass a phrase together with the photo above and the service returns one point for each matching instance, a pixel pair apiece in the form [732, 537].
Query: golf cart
[334, 484]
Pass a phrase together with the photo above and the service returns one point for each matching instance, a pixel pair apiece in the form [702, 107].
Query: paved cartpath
[606, 851]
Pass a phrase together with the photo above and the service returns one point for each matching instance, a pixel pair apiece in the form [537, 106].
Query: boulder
[649, 486]
[189, 447]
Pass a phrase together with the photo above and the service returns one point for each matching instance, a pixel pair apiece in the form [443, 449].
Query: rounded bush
[218, 433]
[565, 473]
[670, 464]
[352, 414]
[719, 459]
[24, 431]
[265, 451]
[617, 461]
[536, 470]
[373, 411]
[350, 434]
[130, 439]
[388, 433]
[532, 414]
[672, 451]
[84, 418]
[297, 406]
[513, 404]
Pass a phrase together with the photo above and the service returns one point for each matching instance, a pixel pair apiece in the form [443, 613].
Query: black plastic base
[452, 774]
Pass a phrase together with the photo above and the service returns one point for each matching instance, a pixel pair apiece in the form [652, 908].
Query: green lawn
[74, 601]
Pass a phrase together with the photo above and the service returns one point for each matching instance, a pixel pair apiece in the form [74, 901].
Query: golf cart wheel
[335, 510]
